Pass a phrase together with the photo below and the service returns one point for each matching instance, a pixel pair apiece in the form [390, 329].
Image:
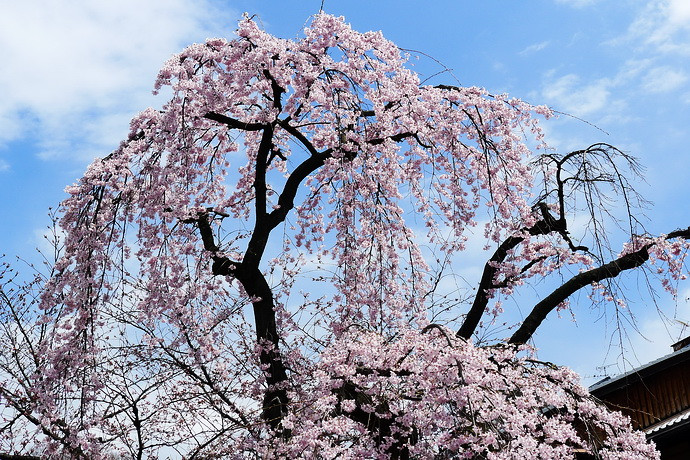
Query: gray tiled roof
[668, 423]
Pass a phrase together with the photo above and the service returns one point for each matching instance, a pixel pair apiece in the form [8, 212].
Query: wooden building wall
[651, 399]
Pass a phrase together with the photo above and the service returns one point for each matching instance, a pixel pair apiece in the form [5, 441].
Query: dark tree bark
[18, 457]
[610, 270]
[546, 225]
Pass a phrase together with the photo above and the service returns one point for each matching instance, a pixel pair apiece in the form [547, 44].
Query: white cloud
[664, 25]
[632, 69]
[569, 94]
[659, 32]
[576, 3]
[608, 97]
[70, 65]
[534, 48]
[679, 13]
[663, 79]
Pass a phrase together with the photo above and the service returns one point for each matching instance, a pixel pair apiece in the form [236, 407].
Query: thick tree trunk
[275, 399]
[255, 285]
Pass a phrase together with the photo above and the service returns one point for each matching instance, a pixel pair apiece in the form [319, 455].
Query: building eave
[604, 387]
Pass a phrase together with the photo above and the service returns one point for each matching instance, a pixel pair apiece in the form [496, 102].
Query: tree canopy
[256, 272]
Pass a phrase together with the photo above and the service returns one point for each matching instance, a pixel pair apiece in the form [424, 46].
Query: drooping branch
[598, 174]
[57, 430]
[297, 134]
[234, 124]
[574, 284]
[610, 270]
[544, 226]
[583, 171]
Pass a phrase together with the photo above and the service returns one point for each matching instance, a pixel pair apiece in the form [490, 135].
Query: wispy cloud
[570, 94]
[576, 3]
[534, 48]
[69, 65]
[664, 25]
[645, 74]
[663, 80]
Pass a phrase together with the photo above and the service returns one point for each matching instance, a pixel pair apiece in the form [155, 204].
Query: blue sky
[74, 73]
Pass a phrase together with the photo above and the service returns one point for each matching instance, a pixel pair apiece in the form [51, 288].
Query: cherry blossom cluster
[448, 399]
